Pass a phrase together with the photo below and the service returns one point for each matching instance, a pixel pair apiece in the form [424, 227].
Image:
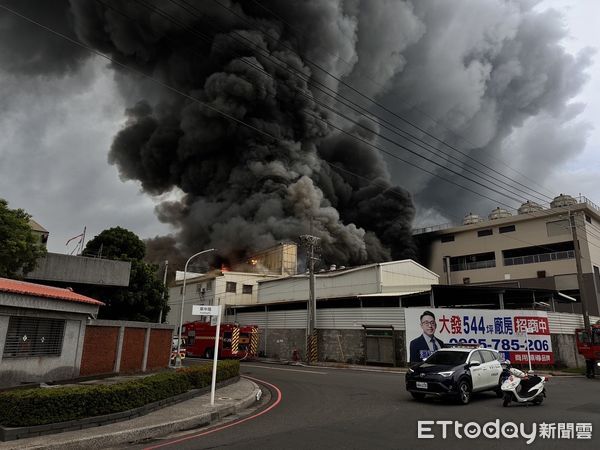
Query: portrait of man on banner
[424, 345]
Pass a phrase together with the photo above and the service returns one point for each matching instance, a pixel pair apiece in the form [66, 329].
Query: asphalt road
[324, 408]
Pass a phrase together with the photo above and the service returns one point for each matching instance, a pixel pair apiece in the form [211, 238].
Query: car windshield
[447, 358]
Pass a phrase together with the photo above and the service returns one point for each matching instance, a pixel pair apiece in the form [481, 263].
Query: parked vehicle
[456, 373]
[523, 387]
[235, 341]
[588, 346]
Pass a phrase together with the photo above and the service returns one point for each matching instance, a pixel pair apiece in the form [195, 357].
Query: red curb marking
[192, 436]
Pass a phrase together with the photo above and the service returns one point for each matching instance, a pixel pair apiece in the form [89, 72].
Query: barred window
[230, 286]
[33, 336]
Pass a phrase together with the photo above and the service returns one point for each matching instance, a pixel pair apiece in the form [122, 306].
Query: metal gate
[379, 344]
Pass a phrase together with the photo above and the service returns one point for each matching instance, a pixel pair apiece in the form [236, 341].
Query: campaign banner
[514, 333]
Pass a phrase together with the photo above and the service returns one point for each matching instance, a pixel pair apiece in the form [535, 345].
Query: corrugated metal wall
[565, 323]
[355, 318]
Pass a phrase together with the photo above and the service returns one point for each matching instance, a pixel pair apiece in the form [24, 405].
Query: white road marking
[285, 370]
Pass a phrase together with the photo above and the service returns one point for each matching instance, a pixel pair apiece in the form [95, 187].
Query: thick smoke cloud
[33, 53]
[479, 74]
[488, 76]
[245, 190]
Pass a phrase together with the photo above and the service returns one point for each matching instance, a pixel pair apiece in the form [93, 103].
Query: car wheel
[417, 395]
[208, 353]
[507, 399]
[464, 392]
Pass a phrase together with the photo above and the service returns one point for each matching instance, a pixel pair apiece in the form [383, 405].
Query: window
[487, 232]
[597, 278]
[541, 274]
[466, 280]
[247, 289]
[447, 238]
[230, 286]
[209, 285]
[227, 339]
[475, 357]
[472, 262]
[487, 356]
[506, 229]
[588, 219]
[33, 336]
[539, 254]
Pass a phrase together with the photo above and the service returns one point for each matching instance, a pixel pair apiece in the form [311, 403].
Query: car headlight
[446, 374]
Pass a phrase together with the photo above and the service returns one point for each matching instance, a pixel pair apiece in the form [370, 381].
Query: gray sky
[56, 131]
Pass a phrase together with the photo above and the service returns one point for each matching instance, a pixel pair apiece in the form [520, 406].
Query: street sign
[203, 310]
[215, 313]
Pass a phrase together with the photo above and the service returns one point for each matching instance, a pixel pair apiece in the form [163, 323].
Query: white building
[386, 279]
[218, 287]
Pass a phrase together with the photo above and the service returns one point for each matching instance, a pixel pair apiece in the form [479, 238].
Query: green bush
[29, 407]
[201, 376]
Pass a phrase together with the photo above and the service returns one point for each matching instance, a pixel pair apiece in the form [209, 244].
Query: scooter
[523, 389]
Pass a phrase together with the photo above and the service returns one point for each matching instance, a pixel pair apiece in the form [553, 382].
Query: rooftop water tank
[499, 213]
[562, 200]
[471, 219]
[529, 207]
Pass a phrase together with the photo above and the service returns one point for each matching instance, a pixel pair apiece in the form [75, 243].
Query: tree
[145, 296]
[117, 243]
[19, 248]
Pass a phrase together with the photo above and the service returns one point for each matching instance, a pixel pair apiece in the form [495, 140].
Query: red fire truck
[235, 341]
[588, 346]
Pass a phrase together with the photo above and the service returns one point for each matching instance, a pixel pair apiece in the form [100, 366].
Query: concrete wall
[341, 345]
[565, 351]
[281, 343]
[80, 269]
[348, 346]
[37, 369]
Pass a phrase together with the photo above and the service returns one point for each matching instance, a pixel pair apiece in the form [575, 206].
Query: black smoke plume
[490, 77]
[245, 190]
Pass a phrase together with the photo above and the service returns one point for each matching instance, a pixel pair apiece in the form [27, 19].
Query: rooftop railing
[515, 212]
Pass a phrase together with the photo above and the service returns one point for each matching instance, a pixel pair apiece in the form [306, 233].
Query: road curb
[105, 440]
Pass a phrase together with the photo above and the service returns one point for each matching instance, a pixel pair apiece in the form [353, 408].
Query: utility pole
[582, 295]
[310, 242]
[162, 297]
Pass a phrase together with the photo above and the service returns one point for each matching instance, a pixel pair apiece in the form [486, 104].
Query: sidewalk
[186, 415]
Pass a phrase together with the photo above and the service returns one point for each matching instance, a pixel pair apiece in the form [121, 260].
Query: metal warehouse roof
[40, 290]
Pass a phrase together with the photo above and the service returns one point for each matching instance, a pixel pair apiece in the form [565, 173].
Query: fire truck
[588, 346]
[235, 341]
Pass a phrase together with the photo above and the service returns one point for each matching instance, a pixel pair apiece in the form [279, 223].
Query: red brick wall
[159, 351]
[132, 355]
[99, 350]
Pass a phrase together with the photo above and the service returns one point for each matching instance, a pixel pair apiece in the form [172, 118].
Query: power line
[258, 68]
[167, 86]
[294, 30]
[358, 138]
[371, 100]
